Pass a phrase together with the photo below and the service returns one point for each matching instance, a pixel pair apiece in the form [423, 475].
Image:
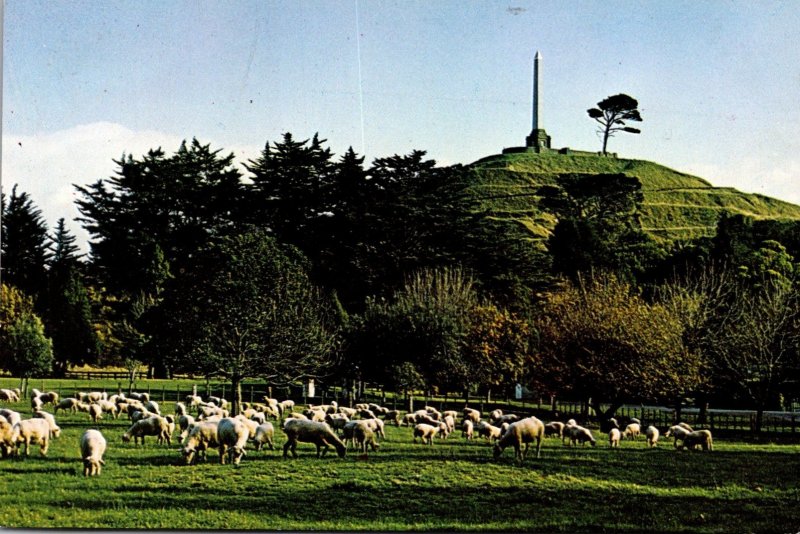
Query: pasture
[453, 485]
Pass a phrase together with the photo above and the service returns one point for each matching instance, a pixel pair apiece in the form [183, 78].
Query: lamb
[522, 431]
[450, 422]
[337, 421]
[151, 426]
[55, 431]
[265, 433]
[632, 431]
[490, 432]
[320, 434]
[233, 435]
[580, 434]
[109, 407]
[651, 433]
[185, 422]
[152, 407]
[249, 424]
[698, 437]
[8, 437]
[376, 425]
[507, 418]
[11, 416]
[93, 446]
[180, 409]
[554, 428]
[393, 416]
[95, 412]
[8, 395]
[426, 432]
[614, 436]
[494, 415]
[50, 397]
[679, 432]
[472, 414]
[409, 419]
[363, 437]
[467, 429]
[29, 431]
[202, 436]
[286, 405]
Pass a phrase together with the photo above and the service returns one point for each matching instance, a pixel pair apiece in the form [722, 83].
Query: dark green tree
[25, 244]
[612, 113]
[247, 309]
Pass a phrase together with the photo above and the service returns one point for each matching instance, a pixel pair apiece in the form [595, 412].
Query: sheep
[8, 395]
[152, 407]
[349, 412]
[29, 431]
[337, 421]
[202, 436]
[258, 417]
[651, 433]
[320, 434]
[218, 401]
[265, 433]
[151, 426]
[233, 435]
[366, 414]
[614, 436]
[93, 446]
[490, 432]
[316, 415]
[50, 397]
[632, 431]
[376, 425]
[138, 415]
[249, 424]
[185, 422]
[522, 431]
[180, 409]
[109, 407]
[409, 419]
[580, 434]
[433, 412]
[95, 412]
[426, 432]
[36, 403]
[170, 424]
[363, 437]
[11, 416]
[467, 429]
[141, 397]
[55, 431]
[679, 432]
[392, 416]
[8, 437]
[377, 409]
[210, 411]
[193, 400]
[554, 428]
[450, 422]
[507, 418]
[295, 415]
[472, 414]
[698, 437]
[286, 405]
[361, 406]
[494, 415]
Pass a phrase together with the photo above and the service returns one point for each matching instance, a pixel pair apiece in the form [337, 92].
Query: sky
[85, 81]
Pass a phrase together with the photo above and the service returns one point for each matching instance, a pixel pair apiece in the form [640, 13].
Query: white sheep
[95, 412]
[185, 422]
[337, 421]
[109, 407]
[93, 446]
[233, 435]
[679, 432]
[202, 436]
[11, 416]
[426, 432]
[55, 430]
[577, 433]
[8, 438]
[632, 431]
[697, 438]
[363, 437]
[265, 433]
[286, 405]
[651, 433]
[472, 414]
[152, 407]
[614, 436]
[320, 434]
[180, 409]
[8, 395]
[554, 428]
[450, 421]
[151, 426]
[29, 431]
[494, 415]
[523, 431]
[50, 397]
[467, 429]
[392, 416]
[409, 419]
[490, 432]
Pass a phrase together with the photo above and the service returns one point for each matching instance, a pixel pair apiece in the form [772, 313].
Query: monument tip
[538, 55]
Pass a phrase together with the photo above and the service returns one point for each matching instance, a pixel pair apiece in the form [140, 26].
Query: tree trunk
[605, 138]
[759, 419]
[605, 415]
[236, 387]
[678, 408]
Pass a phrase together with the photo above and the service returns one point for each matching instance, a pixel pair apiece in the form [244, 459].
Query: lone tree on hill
[612, 113]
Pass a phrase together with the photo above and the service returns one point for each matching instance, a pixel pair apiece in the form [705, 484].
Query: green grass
[677, 206]
[454, 485]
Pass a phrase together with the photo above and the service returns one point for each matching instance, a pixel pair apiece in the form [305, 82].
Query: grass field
[454, 485]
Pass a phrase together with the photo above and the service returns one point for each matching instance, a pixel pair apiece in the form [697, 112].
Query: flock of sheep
[207, 424]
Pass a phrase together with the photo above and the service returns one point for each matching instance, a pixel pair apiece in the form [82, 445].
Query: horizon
[85, 81]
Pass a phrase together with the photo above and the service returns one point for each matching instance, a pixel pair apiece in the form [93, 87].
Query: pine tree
[25, 245]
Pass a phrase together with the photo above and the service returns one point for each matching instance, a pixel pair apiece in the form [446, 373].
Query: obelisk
[538, 140]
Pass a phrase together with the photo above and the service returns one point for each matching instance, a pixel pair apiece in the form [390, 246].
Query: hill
[676, 206]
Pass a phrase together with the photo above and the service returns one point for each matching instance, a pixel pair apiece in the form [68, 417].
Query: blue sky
[84, 81]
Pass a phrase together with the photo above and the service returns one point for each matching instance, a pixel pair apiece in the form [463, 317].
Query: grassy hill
[677, 206]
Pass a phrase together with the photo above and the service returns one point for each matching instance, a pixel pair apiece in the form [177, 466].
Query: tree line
[313, 265]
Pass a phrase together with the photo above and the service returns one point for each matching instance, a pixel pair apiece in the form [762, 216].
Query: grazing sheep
[450, 422]
[151, 426]
[614, 436]
[376, 425]
[349, 412]
[651, 433]
[632, 431]
[202, 437]
[109, 407]
[337, 421]
[141, 397]
[377, 409]
[554, 428]
[522, 431]
[490, 432]
[152, 407]
[366, 414]
[467, 429]
[286, 405]
[180, 409]
[29, 431]
[93, 446]
[320, 434]
[698, 437]
[679, 432]
[8, 438]
[392, 416]
[50, 397]
[495, 415]
[36, 403]
[218, 402]
[185, 422]
[265, 433]
[193, 400]
[363, 437]
[249, 424]
[409, 419]
[507, 418]
[8, 395]
[472, 414]
[451, 413]
[318, 416]
[233, 435]
[426, 432]
[95, 412]
[11, 416]
[580, 434]
[55, 431]
[138, 415]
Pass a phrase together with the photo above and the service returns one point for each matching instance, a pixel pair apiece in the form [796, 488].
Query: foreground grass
[453, 485]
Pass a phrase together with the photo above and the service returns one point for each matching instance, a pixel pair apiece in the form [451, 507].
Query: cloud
[46, 165]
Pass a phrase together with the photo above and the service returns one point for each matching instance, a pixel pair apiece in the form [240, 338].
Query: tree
[247, 309]
[612, 113]
[24, 349]
[14, 304]
[25, 244]
[602, 341]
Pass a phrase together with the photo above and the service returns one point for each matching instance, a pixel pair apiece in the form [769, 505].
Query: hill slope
[676, 206]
